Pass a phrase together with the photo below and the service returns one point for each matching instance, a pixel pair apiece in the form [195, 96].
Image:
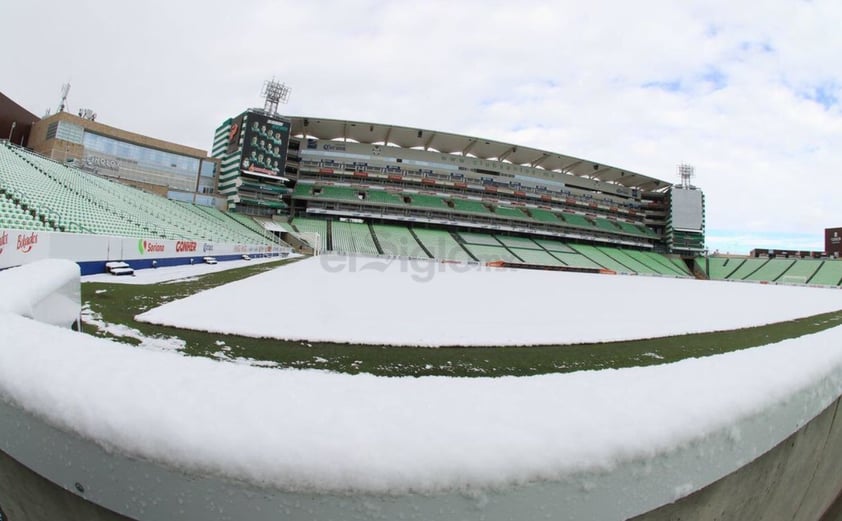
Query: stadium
[617, 369]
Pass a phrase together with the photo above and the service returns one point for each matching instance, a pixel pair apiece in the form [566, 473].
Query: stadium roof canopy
[411, 137]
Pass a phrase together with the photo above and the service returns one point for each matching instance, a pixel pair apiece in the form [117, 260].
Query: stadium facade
[380, 173]
[167, 169]
[252, 150]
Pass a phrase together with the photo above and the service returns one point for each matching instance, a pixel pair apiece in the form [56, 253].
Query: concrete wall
[798, 480]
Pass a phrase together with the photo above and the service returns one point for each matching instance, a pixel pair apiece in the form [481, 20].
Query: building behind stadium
[168, 169]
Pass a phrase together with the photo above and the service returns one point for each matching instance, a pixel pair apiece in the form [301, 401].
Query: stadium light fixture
[274, 92]
[686, 172]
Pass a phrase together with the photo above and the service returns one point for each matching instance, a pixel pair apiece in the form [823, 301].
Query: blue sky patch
[669, 85]
[825, 94]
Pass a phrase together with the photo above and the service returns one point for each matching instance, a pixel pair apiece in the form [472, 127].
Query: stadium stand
[771, 270]
[679, 263]
[748, 267]
[801, 272]
[305, 225]
[286, 226]
[829, 274]
[601, 259]
[577, 220]
[719, 268]
[485, 253]
[479, 238]
[441, 245]
[513, 241]
[351, 237]
[72, 200]
[670, 266]
[469, 206]
[247, 221]
[605, 224]
[575, 260]
[630, 261]
[427, 201]
[51, 201]
[302, 190]
[554, 246]
[337, 192]
[510, 212]
[646, 231]
[537, 257]
[239, 227]
[398, 240]
[383, 197]
[13, 216]
[630, 228]
[539, 214]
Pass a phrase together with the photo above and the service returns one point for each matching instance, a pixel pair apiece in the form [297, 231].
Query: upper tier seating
[468, 205]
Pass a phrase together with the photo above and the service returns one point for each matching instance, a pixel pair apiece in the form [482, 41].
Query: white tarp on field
[372, 301]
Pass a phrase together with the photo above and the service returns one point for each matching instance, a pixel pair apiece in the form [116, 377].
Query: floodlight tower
[686, 173]
[274, 92]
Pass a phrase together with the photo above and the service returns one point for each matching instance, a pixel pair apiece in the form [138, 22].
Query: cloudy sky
[747, 92]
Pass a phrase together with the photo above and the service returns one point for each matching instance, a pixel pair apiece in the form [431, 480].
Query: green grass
[119, 303]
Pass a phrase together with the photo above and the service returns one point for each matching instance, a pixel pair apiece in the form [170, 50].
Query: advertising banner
[22, 246]
[264, 145]
[234, 135]
[833, 241]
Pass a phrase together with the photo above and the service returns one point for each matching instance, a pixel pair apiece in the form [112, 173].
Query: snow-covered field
[425, 303]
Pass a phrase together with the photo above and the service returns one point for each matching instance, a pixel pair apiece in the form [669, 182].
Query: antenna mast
[65, 89]
[274, 92]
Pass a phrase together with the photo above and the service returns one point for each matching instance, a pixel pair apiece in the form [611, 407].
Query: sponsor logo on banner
[185, 246]
[145, 246]
[26, 242]
[4, 240]
[207, 247]
[111, 164]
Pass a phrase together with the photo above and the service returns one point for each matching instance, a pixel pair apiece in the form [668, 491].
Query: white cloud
[746, 92]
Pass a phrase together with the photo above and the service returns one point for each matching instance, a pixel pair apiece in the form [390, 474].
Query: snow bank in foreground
[311, 430]
[371, 301]
[47, 290]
